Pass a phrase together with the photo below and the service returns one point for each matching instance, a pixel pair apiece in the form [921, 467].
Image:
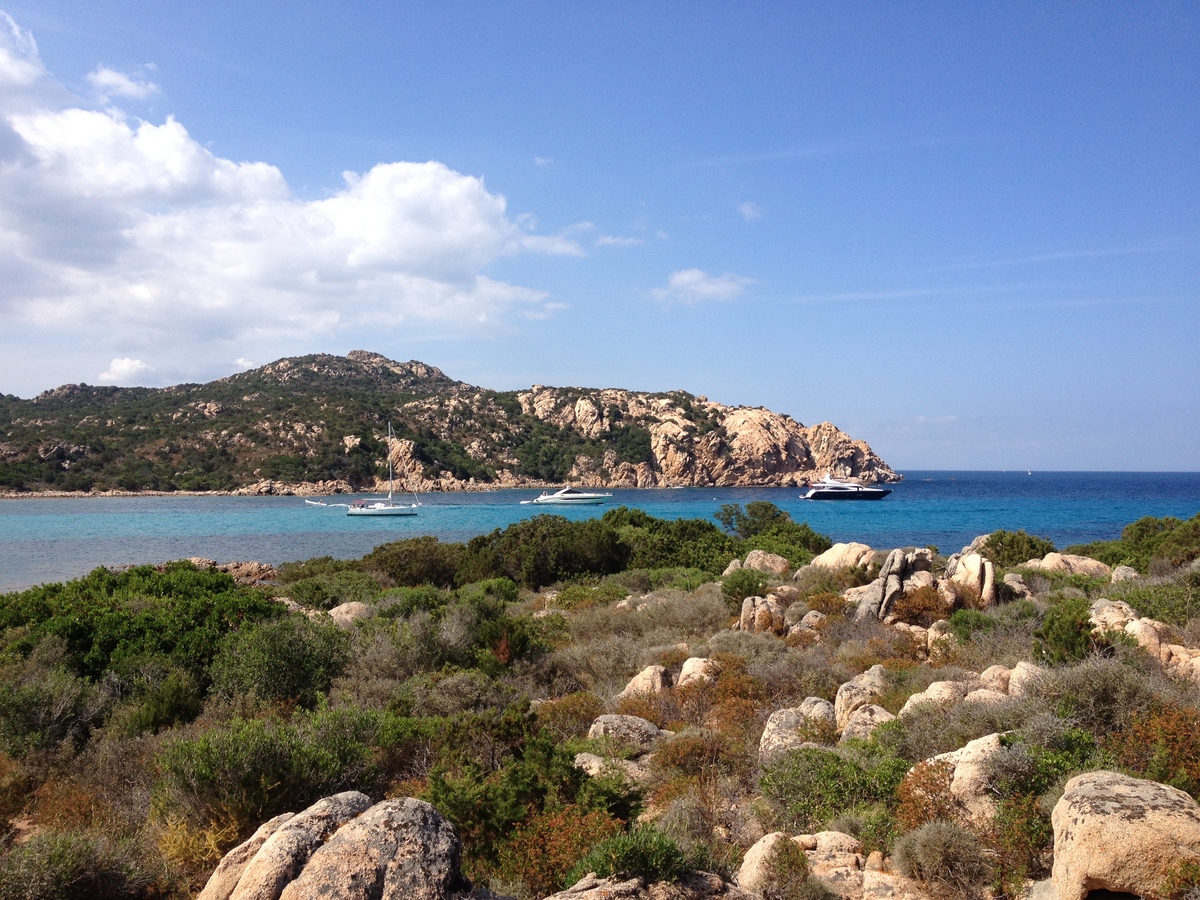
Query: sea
[57, 539]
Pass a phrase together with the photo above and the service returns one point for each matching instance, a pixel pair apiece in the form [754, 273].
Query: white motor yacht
[568, 496]
[828, 489]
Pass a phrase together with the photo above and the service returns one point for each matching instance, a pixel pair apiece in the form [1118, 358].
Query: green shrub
[1065, 634]
[416, 561]
[580, 596]
[70, 866]
[402, 602]
[1175, 601]
[294, 659]
[44, 704]
[643, 852]
[328, 591]
[1171, 540]
[1160, 744]
[111, 622]
[246, 771]
[1100, 694]
[808, 787]
[543, 550]
[663, 543]
[742, 583]
[943, 855]
[1008, 549]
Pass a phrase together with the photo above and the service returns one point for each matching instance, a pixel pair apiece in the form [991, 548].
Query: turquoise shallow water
[56, 539]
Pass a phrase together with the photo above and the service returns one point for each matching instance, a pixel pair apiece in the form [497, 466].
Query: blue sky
[966, 233]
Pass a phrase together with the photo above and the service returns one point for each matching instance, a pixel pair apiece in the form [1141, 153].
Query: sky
[968, 234]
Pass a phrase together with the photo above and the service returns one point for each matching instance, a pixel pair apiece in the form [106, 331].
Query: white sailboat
[387, 507]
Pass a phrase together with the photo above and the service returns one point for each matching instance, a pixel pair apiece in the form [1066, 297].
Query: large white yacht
[568, 496]
[828, 489]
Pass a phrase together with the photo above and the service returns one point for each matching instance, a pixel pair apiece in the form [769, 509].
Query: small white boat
[828, 489]
[387, 507]
[568, 496]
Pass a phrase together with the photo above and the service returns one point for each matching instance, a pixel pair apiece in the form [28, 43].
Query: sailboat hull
[381, 510]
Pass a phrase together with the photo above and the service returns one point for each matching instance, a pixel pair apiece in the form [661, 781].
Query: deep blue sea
[57, 539]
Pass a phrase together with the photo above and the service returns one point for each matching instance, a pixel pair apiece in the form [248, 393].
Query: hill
[319, 422]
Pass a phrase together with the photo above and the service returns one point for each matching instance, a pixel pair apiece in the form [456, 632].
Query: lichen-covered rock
[995, 678]
[1125, 573]
[763, 615]
[939, 694]
[631, 732]
[858, 691]
[282, 855]
[633, 771]
[651, 680]
[1023, 675]
[397, 850]
[1118, 833]
[790, 729]
[691, 886]
[969, 783]
[229, 871]
[698, 670]
[863, 721]
[755, 874]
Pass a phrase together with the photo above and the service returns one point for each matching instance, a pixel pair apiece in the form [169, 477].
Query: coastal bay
[52, 539]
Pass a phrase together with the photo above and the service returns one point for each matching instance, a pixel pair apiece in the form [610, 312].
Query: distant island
[317, 424]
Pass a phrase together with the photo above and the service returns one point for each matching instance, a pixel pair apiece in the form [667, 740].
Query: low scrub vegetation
[151, 719]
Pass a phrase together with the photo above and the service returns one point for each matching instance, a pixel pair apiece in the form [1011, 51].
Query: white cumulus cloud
[111, 83]
[123, 370]
[697, 286]
[136, 235]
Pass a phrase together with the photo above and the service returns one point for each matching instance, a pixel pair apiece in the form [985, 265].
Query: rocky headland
[318, 425]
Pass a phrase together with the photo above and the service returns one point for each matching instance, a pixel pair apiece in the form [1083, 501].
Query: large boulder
[1022, 678]
[698, 670]
[939, 694]
[345, 848]
[763, 615]
[630, 732]
[863, 721]
[691, 886]
[976, 573]
[970, 785]
[860, 690]
[651, 680]
[770, 563]
[841, 556]
[1070, 564]
[790, 729]
[1118, 833]
[281, 857]
[755, 874]
[229, 870]
[401, 849]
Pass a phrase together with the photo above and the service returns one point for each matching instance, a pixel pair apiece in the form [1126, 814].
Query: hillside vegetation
[322, 420]
[152, 718]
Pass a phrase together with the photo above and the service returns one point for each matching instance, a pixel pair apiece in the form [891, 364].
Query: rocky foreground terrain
[1105, 830]
[622, 708]
[318, 424]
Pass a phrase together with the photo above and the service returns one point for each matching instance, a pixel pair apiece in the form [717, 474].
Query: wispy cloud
[110, 83]
[751, 212]
[1055, 256]
[697, 286]
[543, 161]
[612, 240]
